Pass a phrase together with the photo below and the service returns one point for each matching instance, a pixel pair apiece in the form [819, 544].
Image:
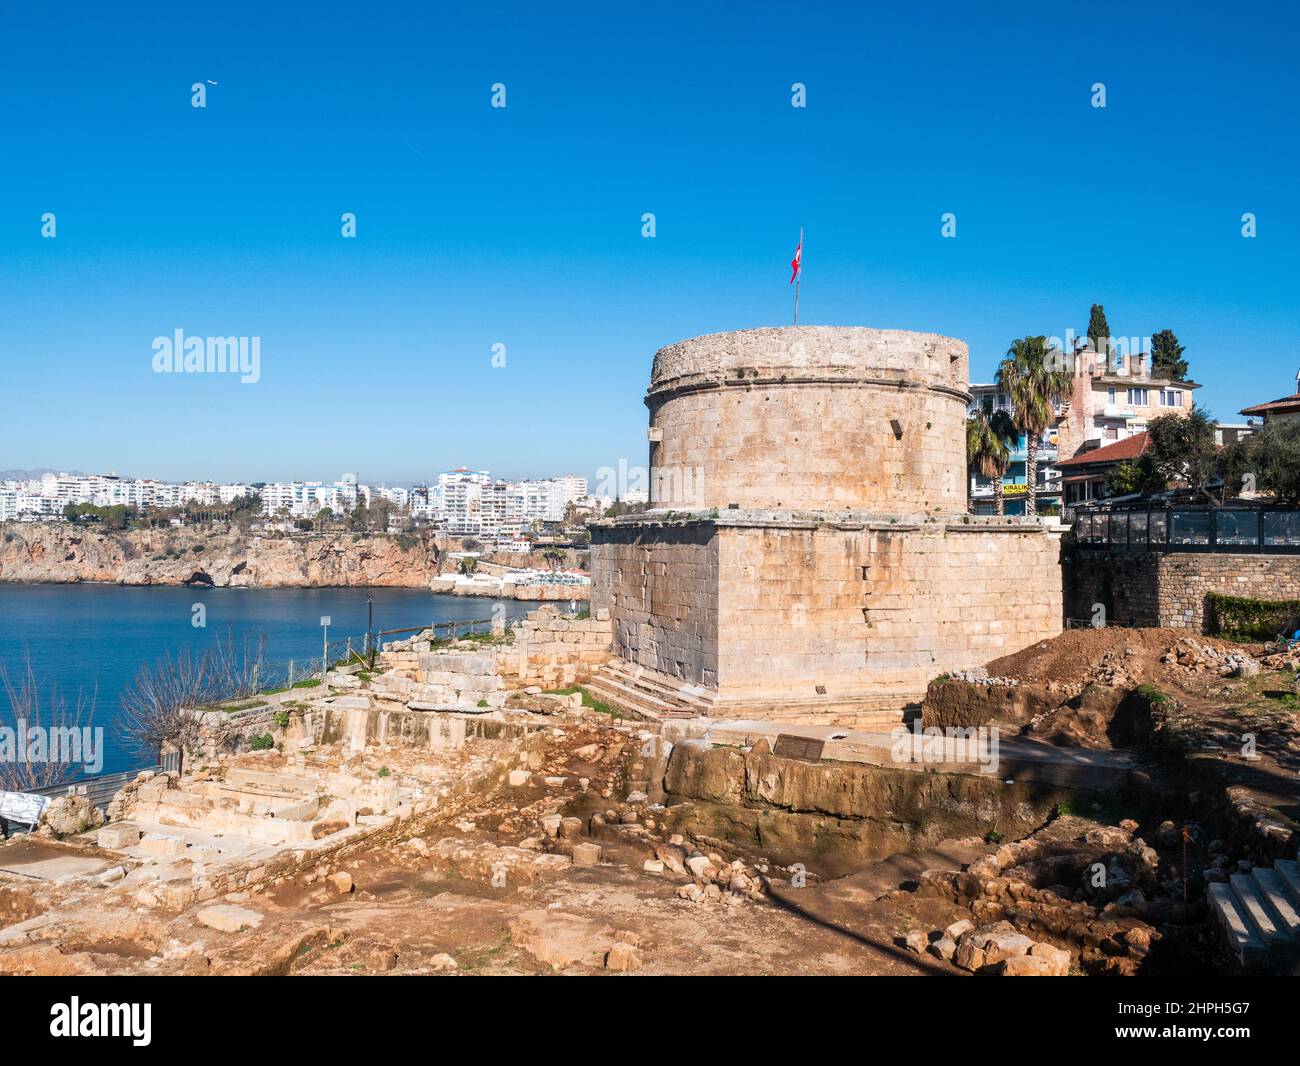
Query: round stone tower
[810, 418]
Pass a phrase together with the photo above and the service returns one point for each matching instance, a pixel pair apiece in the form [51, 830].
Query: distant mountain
[28, 475]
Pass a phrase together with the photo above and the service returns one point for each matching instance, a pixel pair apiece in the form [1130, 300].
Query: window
[1110, 395]
[1282, 528]
[1137, 397]
[1171, 398]
[1236, 527]
[1137, 528]
[1190, 527]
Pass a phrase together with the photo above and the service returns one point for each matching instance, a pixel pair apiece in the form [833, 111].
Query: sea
[85, 642]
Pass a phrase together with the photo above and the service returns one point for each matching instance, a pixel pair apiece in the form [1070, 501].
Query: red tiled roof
[1119, 452]
[1273, 405]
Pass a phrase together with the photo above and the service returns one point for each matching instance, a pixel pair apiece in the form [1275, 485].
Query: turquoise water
[90, 640]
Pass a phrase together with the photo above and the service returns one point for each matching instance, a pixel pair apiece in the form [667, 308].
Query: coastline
[64, 554]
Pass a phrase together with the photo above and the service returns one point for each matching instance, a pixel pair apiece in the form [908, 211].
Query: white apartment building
[467, 502]
[460, 493]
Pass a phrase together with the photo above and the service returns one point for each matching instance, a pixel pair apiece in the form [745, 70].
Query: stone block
[586, 854]
[228, 918]
[157, 846]
[113, 837]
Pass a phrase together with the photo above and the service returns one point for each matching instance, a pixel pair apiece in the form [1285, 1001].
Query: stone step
[1242, 941]
[269, 780]
[634, 701]
[618, 689]
[1289, 872]
[1277, 942]
[1274, 890]
[668, 689]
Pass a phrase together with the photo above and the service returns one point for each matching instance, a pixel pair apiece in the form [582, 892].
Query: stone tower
[807, 553]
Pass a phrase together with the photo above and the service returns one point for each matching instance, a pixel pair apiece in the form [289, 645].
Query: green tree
[1167, 356]
[1035, 384]
[1098, 329]
[989, 440]
[1270, 459]
[114, 517]
[1132, 476]
[1182, 452]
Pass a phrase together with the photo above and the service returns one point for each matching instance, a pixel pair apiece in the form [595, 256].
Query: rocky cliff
[59, 552]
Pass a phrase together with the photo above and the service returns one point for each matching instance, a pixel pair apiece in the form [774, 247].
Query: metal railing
[98, 789]
[1262, 530]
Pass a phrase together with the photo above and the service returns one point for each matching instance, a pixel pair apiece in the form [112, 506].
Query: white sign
[324, 619]
[22, 807]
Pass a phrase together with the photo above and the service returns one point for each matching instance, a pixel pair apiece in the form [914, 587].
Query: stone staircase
[642, 692]
[1259, 913]
[653, 696]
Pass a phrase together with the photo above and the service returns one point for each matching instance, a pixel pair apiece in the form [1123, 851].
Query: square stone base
[822, 616]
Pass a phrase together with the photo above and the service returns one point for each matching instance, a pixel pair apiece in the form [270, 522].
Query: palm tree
[989, 440]
[1034, 385]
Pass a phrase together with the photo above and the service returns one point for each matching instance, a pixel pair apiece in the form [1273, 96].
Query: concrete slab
[48, 862]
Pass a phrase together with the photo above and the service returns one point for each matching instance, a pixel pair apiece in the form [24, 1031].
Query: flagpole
[798, 278]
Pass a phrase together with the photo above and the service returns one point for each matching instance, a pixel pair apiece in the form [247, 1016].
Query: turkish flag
[796, 264]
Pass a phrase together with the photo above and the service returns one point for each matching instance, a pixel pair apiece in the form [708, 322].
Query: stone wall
[659, 585]
[866, 616]
[1146, 588]
[351, 720]
[555, 651]
[789, 616]
[804, 418]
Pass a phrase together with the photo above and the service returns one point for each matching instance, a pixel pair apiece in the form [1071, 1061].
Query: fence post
[291, 673]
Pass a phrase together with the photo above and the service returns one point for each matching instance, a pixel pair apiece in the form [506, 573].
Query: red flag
[796, 264]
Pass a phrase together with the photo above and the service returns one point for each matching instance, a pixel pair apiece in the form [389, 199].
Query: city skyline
[522, 226]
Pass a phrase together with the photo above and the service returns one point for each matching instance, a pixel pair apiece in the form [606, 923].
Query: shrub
[261, 742]
[282, 719]
[1243, 618]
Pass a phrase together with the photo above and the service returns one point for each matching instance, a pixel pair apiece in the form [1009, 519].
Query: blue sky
[522, 225]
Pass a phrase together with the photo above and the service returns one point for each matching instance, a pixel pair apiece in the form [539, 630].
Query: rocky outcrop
[63, 553]
[838, 817]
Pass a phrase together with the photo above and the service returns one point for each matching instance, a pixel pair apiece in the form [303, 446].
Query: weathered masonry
[1156, 565]
[806, 553]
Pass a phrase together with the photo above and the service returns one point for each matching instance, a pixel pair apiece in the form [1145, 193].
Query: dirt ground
[497, 886]
[1243, 730]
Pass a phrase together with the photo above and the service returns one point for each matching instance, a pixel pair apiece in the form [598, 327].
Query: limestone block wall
[659, 585]
[787, 616]
[556, 651]
[1169, 588]
[804, 417]
[867, 616]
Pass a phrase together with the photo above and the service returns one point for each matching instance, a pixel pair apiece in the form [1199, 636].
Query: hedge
[1241, 618]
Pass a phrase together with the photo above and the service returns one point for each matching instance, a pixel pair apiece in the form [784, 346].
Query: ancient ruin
[807, 553]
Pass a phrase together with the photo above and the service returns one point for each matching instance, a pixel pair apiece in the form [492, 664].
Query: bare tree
[62, 727]
[155, 704]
